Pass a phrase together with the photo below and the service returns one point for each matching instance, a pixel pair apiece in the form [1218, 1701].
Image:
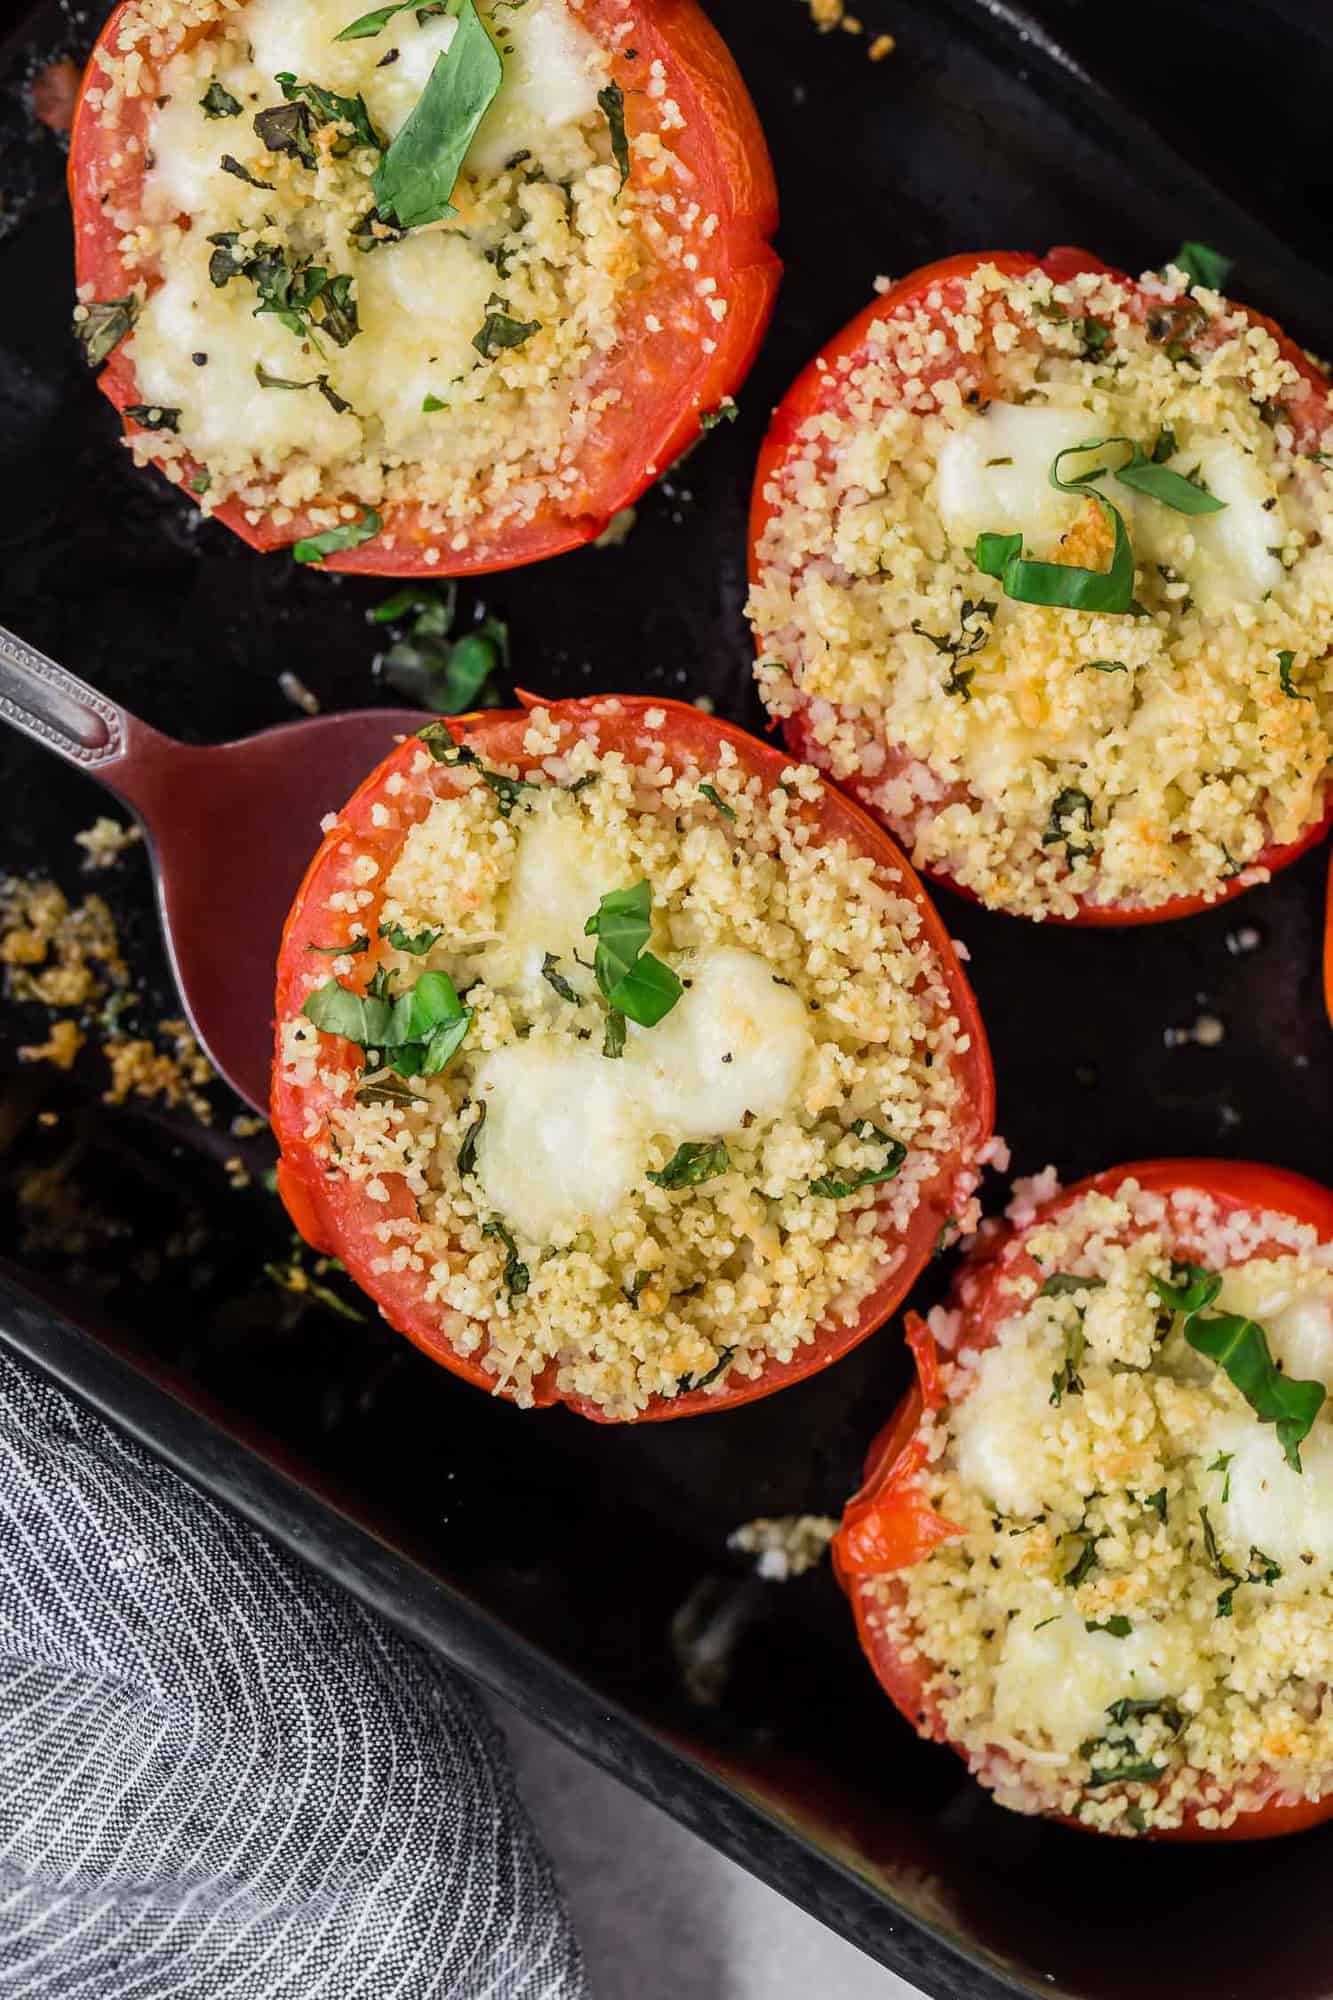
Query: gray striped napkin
[221, 1779]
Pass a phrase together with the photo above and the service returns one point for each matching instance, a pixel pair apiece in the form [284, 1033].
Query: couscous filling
[1051, 580]
[1134, 1619]
[663, 1076]
[384, 259]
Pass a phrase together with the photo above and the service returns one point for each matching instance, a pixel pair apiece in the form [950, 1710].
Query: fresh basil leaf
[217, 102]
[1061, 1284]
[350, 535]
[724, 413]
[1117, 1625]
[285, 128]
[725, 1357]
[517, 1277]
[416, 946]
[467, 1152]
[611, 102]
[359, 943]
[415, 180]
[102, 324]
[240, 173]
[366, 25]
[1202, 265]
[633, 982]
[836, 1188]
[715, 798]
[416, 1034]
[442, 747]
[359, 1018]
[426, 1006]
[1239, 1346]
[337, 310]
[1285, 662]
[1065, 586]
[555, 978]
[153, 416]
[1185, 496]
[698, 1160]
[328, 108]
[430, 606]
[498, 331]
[1188, 1290]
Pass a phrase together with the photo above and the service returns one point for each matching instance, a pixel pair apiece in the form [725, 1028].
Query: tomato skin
[726, 156]
[334, 1219]
[815, 390]
[894, 1457]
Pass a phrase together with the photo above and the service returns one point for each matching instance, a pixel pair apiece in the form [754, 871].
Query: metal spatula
[230, 826]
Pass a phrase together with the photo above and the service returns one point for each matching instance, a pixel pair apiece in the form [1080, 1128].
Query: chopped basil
[1220, 1566]
[1156, 1502]
[1240, 1347]
[425, 664]
[416, 1034]
[1066, 1380]
[498, 331]
[415, 946]
[963, 644]
[613, 1034]
[517, 1277]
[351, 949]
[725, 1356]
[1132, 1709]
[153, 416]
[1085, 1562]
[715, 798]
[337, 308]
[314, 548]
[635, 1286]
[467, 1152]
[240, 173]
[1202, 265]
[1285, 662]
[102, 323]
[1222, 1464]
[1065, 585]
[328, 108]
[836, 1188]
[1071, 812]
[696, 1161]
[1118, 1626]
[1103, 667]
[285, 128]
[724, 413]
[1061, 1284]
[414, 181]
[201, 482]
[1135, 1772]
[554, 978]
[321, 382]
[442, 747]
[219, 103]
[1188, 1290]
[372, 231]
[611, 102]
[632, 980]
[1093, 334]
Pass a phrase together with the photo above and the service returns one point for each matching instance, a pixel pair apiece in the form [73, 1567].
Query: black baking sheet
[549, 1557]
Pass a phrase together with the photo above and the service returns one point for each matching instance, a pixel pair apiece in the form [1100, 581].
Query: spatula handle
[57, 709]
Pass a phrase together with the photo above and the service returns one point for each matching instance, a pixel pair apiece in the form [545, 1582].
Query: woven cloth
[221, 1779]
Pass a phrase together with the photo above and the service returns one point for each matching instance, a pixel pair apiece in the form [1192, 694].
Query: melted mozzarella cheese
[735, 1042]
[1296, 1315]
[560, 876]
[1232, 562]
[1059, 1682]
[1289, 1515]
[551, 79]
[564, 1138]
[994, 474]
[1002, 1429]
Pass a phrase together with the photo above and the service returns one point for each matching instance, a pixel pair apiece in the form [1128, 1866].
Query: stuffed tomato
[1094, 1549]
[422, 289]
[621, 1060]
[1042, 572]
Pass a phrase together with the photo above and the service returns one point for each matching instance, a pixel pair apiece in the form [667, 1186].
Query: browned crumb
[106, 840]
[883, 45]
[140, 1069]
[58, 955]
[60, 1048]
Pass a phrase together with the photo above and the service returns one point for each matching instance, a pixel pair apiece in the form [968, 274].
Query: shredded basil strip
[314, 548]
[425, 664]
[366, 25]
[1202, 265]
[1240, 1347]
[715, 798]
[1061, 1284]
[415, 946]
[359, 943]
[555, 979]
[1285, 662]
[836, 1188]
[414, 181]
[632, 980]
[696, 1161]
[611, 102]
[102, 324]
[416, 1034]
[1117, 1625]
[218, 102]
[517, 1277]
[240, 173]
[724, 1359]
[1173, 489]
[328, 108]
[506, 791]
[467, 1152]
[1063, 585]
[499, 330]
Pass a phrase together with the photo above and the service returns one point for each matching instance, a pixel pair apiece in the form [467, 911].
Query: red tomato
[666, 382]
[337, 1219]
[889, 1525]
[818, 389]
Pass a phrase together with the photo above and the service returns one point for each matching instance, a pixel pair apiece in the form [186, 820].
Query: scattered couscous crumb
[1137, 1582]
[60, 1048]
[784, 1545]
[178, 1075]
[881, 46]
[106, 840]
[297, 693]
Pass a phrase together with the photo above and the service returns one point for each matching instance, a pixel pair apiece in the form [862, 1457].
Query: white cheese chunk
[994, 474]
[735, 1042]
[564, 1138]
[1295, 1311]
[1055, 1685]
[560, 876]
[1289, 1515]
[1232, 563]
[1003, 1435]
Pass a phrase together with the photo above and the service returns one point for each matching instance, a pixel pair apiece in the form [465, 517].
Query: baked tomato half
[1035, 575]
[621, 1060]
[1093, 1551]
[424, 291]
